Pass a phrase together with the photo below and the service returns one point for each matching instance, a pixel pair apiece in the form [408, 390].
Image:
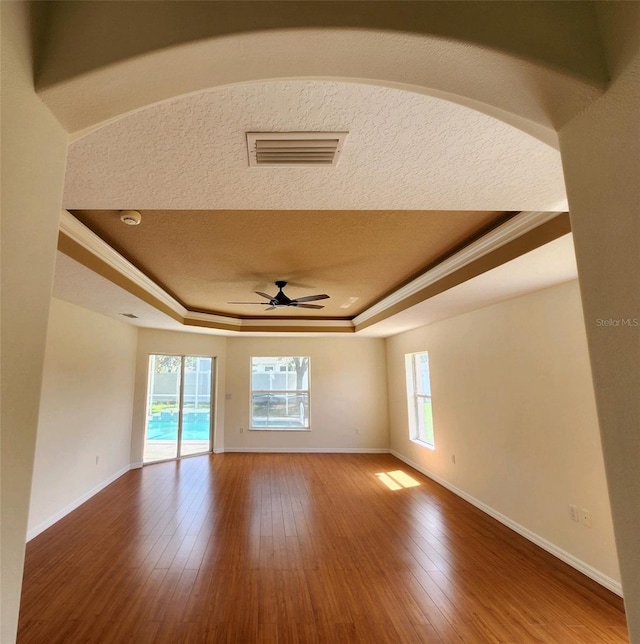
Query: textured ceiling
[418, 178]
[404, 151]
[207, 259]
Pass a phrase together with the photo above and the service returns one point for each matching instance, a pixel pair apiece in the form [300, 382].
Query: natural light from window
[419, 398]
[179, 406]
[280, 392]
[397, 480]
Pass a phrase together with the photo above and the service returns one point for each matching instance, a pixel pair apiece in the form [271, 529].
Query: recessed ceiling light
[349, 302]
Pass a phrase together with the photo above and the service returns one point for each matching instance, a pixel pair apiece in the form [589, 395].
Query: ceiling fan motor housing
[280, 299]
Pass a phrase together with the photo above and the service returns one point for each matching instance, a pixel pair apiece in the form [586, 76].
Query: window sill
[423, 444]
[279, 429]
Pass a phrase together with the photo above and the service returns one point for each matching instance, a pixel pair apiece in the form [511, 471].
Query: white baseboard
[599, 577]
[310, 450]
[136, 466]
[34, 532]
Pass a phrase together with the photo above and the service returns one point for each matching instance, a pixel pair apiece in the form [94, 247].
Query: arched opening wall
[533, 65]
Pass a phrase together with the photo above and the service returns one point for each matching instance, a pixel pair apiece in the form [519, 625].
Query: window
[419, 398]
[280, 393]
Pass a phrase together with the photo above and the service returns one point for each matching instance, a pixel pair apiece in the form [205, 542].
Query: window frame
[181, 403]
[280, 392]
[416, 399]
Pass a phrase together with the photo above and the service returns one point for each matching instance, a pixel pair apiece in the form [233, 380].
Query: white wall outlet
[97, 459]
[453, 458]
[241, 430]
[357, 430]
[585, 517]
[227, 396]
[573, 512]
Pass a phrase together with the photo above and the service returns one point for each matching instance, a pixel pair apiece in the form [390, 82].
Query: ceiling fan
[280, 299]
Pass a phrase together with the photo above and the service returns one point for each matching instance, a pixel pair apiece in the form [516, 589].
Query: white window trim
[413, 398]
[306, 391]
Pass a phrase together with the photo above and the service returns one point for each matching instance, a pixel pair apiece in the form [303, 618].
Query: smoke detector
[130, 217]
[292, 149]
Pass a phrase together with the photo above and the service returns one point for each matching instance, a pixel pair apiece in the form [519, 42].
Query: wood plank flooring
[309, 548]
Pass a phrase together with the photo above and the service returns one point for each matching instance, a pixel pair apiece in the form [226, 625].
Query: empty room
[320, 322]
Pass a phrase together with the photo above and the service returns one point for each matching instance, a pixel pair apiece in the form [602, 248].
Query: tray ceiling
[419, 178]
[206, 259]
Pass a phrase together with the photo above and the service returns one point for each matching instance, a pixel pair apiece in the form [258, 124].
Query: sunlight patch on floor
[397, 480]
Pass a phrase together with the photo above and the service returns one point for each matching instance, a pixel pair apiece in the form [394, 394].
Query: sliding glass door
[196, 406]
[179, 407]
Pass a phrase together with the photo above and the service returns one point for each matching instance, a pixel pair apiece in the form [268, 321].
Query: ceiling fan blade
[307, 306]
[271, 308]
[311, 298]
[263, 295]
[258, 303]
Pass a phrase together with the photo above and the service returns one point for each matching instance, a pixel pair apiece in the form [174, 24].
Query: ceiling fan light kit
[280, 299]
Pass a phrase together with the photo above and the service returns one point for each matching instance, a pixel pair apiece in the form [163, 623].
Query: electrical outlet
[453, 458]
[573, 512]
[241, 430]
[357, 430]
[97, 459]
[585, 517]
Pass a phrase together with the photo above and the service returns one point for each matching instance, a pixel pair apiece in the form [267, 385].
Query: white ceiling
[404, 151]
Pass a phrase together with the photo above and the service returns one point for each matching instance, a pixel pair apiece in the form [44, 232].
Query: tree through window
[280, 392]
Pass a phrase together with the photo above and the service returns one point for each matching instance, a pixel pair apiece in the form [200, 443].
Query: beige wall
[107, 59]
[601, 158]
[34, 150]
[85, 411]
[176, 343]
[348, 391]
[513, 400]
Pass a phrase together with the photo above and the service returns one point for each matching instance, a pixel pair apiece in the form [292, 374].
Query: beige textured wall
[33, 161]
[348, 391]
[176, 343]
[85, 410]
[513, 400]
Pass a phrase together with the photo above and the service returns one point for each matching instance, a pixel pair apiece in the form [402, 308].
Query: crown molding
[516, 227]
[80, 234]
[258, 325]
[87, 239]
[212, 319]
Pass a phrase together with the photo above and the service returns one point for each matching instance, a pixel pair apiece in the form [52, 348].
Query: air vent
[292, 149]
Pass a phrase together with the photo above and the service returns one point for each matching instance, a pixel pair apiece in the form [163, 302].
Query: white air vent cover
[287, 149]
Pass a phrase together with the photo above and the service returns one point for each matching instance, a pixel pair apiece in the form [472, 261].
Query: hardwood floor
[298, 548]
